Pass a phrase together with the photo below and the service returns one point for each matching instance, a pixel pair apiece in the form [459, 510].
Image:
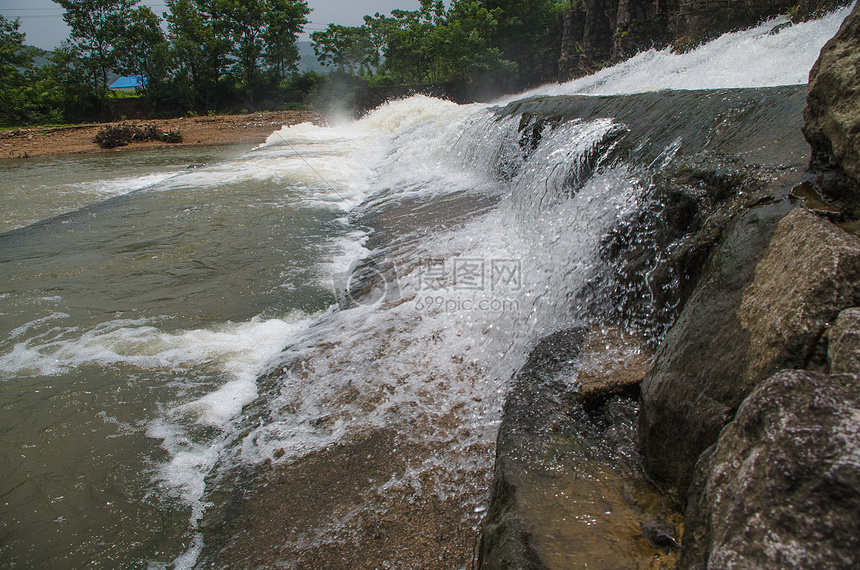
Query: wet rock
[781, 487]
[843, 350]
[763, 305]
[660, 534]
[700, 20]
[567, 488]
[832, 116]
[612, 362]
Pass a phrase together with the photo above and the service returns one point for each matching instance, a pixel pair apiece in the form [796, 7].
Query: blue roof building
[128, 83]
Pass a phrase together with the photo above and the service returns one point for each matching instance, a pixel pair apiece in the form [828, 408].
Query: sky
[42, 20]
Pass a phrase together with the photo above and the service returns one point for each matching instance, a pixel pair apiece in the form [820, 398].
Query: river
[164, 329]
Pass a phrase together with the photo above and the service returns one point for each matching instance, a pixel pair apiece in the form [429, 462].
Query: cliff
[596, 33]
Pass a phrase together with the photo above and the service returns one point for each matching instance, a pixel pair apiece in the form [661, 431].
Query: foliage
[348, 48]
[429, 45]
[97, 29]
[218, 55]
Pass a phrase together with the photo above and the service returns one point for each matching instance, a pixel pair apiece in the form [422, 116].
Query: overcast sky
[42, 20]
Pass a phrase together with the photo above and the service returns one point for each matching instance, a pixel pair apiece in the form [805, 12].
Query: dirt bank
[195, 131]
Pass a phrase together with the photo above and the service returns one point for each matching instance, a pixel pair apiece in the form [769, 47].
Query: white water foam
[238, 353]
[443, 352]
[749, 58]
[104, 189]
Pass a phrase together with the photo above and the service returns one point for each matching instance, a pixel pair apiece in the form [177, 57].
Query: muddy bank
[194, 131]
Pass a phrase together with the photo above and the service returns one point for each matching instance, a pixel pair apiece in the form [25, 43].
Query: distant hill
[308, 61]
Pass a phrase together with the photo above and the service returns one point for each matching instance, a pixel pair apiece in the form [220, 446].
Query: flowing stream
[164, 330]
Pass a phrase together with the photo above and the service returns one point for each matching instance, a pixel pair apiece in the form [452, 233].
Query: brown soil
[195, 131]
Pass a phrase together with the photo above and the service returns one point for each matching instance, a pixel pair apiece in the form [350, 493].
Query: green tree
[528, 34]
[348, 48]
[251, 23]
[142, 49]
[97, 26]
[16, 74]
[286, 19]
[199, 46]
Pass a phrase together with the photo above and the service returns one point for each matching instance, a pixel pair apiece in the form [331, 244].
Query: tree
[199, 46]
[251, 23]
[142, 49]
[459, 48]
[285, 21]
[528, 34]
[97, 26]
[16, 73]
[349, 48]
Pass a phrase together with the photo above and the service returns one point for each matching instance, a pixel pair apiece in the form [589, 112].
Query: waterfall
[381, 276]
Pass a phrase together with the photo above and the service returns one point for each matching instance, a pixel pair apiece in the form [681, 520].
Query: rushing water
[162, 326]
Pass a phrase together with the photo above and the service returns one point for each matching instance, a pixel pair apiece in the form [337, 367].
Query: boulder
[843, 348]
[567, 488]
[832, 116]
[781, 487]
[767, 296]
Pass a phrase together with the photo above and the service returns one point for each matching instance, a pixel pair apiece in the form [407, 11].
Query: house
[128, 83]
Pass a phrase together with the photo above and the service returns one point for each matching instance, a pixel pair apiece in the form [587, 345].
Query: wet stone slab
[568, 487]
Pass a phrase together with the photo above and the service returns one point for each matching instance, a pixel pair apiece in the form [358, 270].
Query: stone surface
[781, 488]
[596, 33]
[699, 20]
[763, 305]
[567, 490]
[843, 347]
[612, 361]
[832, 115]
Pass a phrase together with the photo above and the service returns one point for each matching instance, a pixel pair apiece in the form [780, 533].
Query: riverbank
[195, 131]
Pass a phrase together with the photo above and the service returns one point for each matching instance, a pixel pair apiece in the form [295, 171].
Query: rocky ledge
[748, 422]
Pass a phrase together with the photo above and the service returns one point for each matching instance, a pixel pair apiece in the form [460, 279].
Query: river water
[163, 327]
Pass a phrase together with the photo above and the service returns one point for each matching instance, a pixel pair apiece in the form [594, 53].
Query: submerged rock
[832, 115]
[763, 305]
[781, 488]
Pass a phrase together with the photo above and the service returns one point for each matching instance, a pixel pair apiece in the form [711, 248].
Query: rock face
[781, 488]
[843, 349]
[832, 115]
[567, 489]
[612, 361]
[596, 32]
[763, 305]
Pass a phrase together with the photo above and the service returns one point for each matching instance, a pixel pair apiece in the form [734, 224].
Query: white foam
[238, 352]
[748, 58]
[405, 362]
[103, 189]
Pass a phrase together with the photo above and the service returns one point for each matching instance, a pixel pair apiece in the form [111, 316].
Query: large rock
[567, 490]
[764, 304]
[781, 488]
[832, 115]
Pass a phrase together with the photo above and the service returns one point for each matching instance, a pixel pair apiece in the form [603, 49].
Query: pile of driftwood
[121, 135]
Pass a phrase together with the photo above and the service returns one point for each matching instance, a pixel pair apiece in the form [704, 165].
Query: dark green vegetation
[215, 55]
[234, 55]
[227, 55]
